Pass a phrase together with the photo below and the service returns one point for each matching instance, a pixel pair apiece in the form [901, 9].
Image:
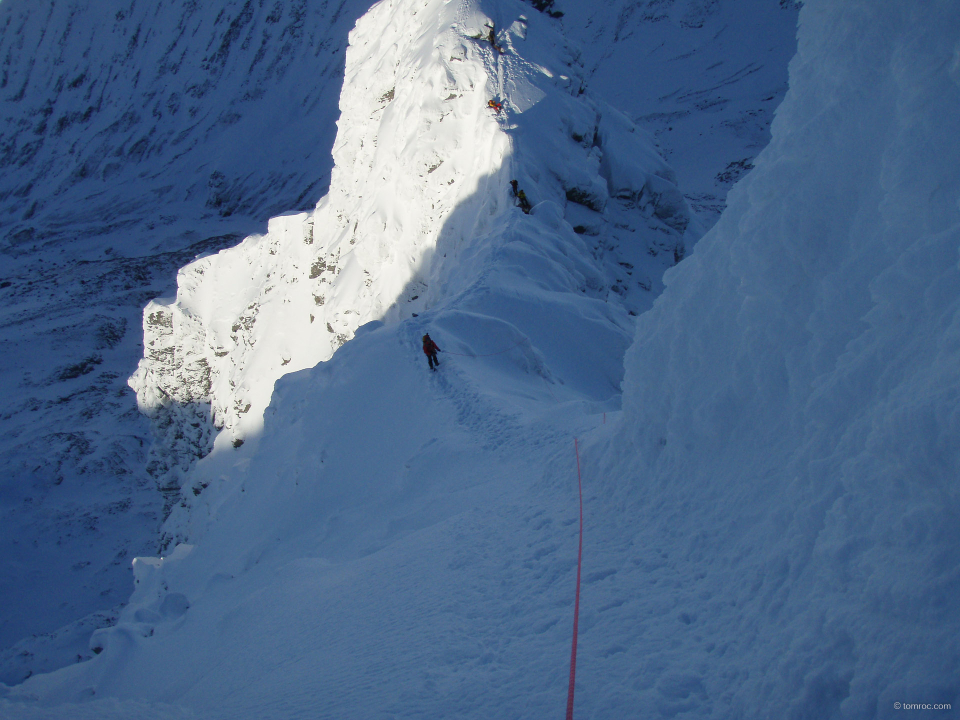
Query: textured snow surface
[704, 76]
[121, 113]
[791, 431]
[544, 299]
[771, 519]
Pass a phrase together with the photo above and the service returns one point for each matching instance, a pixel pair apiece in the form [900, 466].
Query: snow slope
[790, 444]
[771, 519]
[533, 311]
[135, 137]
[122, 113]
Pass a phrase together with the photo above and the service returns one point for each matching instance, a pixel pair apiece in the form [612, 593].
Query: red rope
[576, 605]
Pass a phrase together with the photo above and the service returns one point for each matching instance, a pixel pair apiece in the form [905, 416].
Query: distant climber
[521, 197]
[498, 106]
[492, 37]
[430, 349]
[523, 202]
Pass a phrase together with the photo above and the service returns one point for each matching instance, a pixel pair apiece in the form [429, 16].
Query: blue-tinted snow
[771, 518]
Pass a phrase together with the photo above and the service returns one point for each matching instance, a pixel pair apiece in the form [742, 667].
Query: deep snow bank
[791, 429]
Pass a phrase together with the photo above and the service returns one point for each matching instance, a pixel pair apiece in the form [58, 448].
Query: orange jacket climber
[498, 106]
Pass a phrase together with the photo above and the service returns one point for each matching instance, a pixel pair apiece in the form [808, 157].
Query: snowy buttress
[419, 159]
[793, 395]
[414, 91]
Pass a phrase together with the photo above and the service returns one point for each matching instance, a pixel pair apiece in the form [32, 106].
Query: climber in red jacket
[430, 349]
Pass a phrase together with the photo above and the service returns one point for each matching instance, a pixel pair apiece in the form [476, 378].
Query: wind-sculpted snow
[419, 211]
[135, 137]
[365, 452]
[791, 432]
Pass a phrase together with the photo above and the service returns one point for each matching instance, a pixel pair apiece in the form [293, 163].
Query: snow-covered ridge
[421, 163]
[419, 230]
[151, 132]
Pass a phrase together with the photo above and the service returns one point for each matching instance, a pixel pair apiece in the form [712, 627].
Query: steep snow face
[414, 97]
[704, 76]
[419, 207]
[771, 527]
[791, 426]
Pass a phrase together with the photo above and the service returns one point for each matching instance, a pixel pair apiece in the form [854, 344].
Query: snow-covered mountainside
[128, 94]
[770, 519]
[705, 77]
[137, 136]
[420, 210]
[133, 137]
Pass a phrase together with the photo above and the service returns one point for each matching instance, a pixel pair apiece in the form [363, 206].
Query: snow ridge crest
[417, 205]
